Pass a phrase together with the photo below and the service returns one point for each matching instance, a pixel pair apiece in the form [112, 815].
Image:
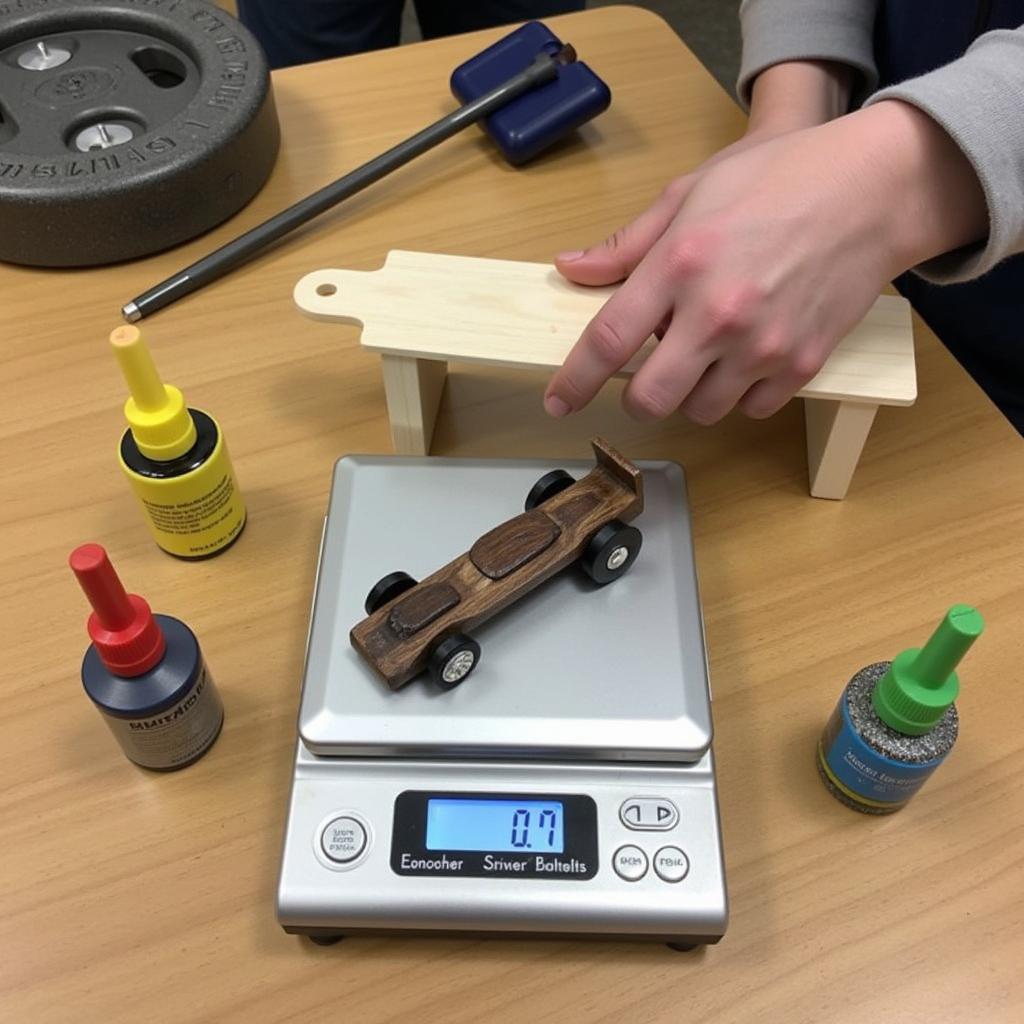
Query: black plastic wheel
[326, 940]
[682, 947]
[548, 486]
[387, 588]
[452, 661]
[611, 551]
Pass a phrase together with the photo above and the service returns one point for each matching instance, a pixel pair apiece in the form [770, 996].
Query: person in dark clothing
[755, 265]
[979, 321]
[300, 31]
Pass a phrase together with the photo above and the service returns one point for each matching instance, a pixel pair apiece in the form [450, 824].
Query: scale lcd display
[495, 826]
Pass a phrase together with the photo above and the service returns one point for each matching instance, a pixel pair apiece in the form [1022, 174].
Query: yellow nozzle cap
[156, 412]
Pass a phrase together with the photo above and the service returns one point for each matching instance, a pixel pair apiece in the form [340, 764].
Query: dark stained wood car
[412, 627]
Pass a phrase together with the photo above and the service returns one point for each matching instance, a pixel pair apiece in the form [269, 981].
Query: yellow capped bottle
[176, 460]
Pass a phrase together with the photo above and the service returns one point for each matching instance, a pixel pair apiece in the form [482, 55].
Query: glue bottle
[144, 672]
[896, 721]
[176, 460]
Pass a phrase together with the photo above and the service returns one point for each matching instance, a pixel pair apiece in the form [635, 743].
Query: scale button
[649, 814]
[343, 840]
[630, 863]
[671, 864]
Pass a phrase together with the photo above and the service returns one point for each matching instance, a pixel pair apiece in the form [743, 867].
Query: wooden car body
[502, 566]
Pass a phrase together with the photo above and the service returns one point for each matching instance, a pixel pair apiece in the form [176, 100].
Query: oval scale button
[649, 814]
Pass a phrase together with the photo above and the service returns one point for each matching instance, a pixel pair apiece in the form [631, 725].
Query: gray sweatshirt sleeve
[978, 99]
[775, 31]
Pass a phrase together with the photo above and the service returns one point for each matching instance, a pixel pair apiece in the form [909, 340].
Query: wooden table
[130, 896]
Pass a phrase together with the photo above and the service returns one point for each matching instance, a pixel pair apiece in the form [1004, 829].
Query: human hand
[786, 98]
[753, 270]
[615, 258]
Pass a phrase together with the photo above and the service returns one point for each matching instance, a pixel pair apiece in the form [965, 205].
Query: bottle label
[197, 513]
[863, 774]
[176, 736]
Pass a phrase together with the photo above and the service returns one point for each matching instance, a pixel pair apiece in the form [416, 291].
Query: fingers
[668, 374]
[750, 353]
[710, 355]
[703, 373]
[717, 392]
[766, 397]
[617, 256]
[706, 376]
[608, 342]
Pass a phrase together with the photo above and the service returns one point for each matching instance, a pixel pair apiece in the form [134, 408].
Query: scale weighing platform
[567, 788]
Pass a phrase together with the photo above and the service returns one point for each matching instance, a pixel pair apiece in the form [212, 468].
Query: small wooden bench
[421, 310]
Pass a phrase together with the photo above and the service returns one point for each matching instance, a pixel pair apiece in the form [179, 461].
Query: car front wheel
[452, 661]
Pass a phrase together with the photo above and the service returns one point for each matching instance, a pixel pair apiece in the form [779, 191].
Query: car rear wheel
[611, 551]
[386, 589]
[547, 487]
[453, 660]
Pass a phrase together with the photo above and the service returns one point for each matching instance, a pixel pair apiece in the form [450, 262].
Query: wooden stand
[421, 310]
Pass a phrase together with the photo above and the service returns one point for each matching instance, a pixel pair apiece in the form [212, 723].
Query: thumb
[615, 258]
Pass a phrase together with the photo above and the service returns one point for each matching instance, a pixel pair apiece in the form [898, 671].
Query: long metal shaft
[218, 263]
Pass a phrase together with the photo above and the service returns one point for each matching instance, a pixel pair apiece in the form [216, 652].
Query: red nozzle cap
[127, 638]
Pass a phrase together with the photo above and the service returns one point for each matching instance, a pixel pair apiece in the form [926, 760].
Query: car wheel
[547, 487]
[611, 551]
[452, 661]
[386, 589]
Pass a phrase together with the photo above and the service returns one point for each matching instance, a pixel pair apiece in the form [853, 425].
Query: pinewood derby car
[414, 627]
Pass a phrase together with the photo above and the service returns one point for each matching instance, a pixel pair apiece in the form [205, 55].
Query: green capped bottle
[896, 721]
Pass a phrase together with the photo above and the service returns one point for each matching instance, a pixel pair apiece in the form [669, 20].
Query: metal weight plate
[126, 126]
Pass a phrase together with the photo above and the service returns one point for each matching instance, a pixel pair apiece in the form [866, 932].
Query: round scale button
[343, 839]
[630, 863]
[671, 864]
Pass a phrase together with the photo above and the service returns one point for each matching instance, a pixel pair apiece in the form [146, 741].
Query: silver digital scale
[567, 788]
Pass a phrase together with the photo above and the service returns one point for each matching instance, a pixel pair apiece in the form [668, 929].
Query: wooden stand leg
[413, 390]
[836, 432]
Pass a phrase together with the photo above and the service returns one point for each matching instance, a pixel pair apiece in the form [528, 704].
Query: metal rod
[218, 263]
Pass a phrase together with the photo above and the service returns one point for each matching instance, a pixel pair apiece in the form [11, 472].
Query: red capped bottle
[144, 673]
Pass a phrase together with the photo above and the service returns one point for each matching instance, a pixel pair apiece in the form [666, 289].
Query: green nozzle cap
[921, 682]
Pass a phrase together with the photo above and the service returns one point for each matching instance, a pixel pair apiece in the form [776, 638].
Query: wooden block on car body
[421, 310]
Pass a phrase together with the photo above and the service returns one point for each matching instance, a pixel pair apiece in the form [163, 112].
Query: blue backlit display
[501, 826]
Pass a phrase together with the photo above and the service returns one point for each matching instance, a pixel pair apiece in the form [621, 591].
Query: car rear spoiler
[619, 467]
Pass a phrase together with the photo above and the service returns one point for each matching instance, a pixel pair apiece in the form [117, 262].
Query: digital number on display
[495, 825]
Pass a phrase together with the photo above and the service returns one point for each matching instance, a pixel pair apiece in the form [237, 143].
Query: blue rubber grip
[538, 119]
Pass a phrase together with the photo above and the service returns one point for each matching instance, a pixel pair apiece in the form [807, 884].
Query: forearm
[977, 102]
[924, 195]
[799, 94]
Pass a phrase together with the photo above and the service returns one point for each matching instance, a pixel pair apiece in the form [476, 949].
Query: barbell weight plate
[126, 127]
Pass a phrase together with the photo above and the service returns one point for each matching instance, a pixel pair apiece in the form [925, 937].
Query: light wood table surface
[130, 896]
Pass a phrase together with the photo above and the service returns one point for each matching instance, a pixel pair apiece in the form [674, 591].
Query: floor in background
[710, 28]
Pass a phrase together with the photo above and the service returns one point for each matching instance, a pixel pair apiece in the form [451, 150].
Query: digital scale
[566, 789]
